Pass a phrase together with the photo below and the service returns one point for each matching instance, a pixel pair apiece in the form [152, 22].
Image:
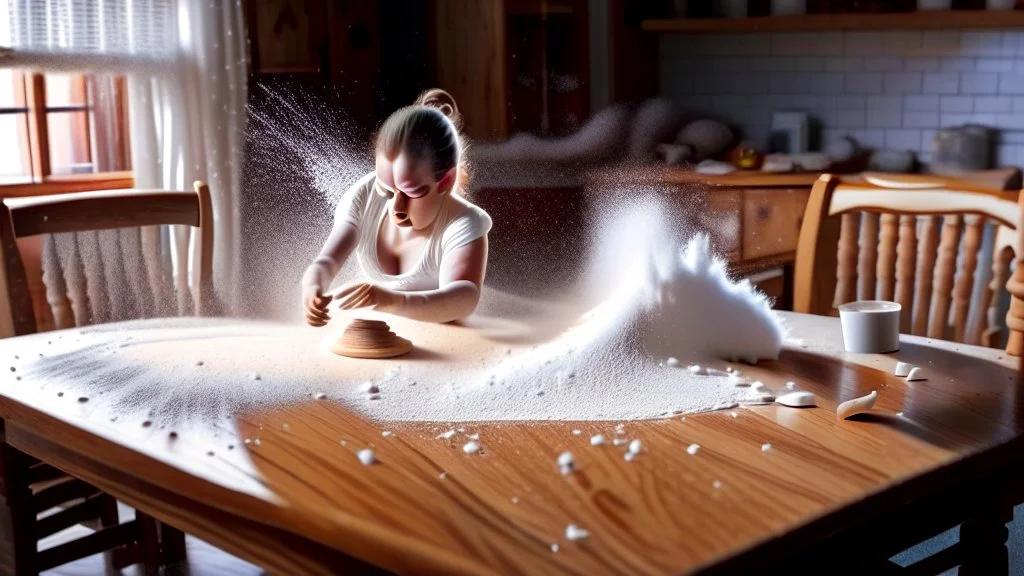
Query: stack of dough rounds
[370, 339]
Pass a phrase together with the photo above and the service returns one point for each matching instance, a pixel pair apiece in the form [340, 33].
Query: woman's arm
[340, 243]
[461, 277]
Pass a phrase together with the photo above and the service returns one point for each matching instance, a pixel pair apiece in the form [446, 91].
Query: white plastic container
[934, 4]
[788, 7]
[871, 326]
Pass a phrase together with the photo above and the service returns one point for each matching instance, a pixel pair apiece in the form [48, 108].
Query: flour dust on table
[663, 299]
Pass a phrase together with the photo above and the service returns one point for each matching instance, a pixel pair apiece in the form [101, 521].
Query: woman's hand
[365, 295]
[314, 301]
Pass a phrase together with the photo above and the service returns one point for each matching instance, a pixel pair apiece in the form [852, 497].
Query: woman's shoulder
[467, 223]
[466, 210]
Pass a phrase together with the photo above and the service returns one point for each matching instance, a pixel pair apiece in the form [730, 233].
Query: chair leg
[172, 544]
[983, 539]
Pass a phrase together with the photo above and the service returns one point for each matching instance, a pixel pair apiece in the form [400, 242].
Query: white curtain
[185, 61]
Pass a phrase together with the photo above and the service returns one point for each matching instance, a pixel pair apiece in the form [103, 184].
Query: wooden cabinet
[771, 220]
[515, 65]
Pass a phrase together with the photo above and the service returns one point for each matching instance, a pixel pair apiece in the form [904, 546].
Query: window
[62, 132]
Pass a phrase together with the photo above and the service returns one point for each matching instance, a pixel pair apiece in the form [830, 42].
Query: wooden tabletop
[275, 478]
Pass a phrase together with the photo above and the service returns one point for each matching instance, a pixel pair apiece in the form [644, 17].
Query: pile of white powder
[656, 299]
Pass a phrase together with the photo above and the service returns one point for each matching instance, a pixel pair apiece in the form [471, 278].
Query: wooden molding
[70, 183]
[924, 20]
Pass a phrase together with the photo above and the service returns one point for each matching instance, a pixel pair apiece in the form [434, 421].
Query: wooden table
[277, 486]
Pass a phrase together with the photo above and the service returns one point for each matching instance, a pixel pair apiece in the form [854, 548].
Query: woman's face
[416, 196]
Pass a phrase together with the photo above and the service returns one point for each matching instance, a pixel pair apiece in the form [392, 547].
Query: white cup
[871, 326]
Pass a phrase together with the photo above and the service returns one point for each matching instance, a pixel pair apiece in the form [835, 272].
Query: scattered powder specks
[597, 440]
[554, 547]
[257, 441]
[766, 447]
[618, 441]
[734, 414]
[899, 413]
[446, 435]
[629, 456]
[386, 433]
[566, 463]
[471, 447]
[716, 484]
[790, 385]
[442, 475]
[515, 500]
[577, 432]
[574, 532]
[692, 449]
[255, 377]
[663, 299]
[473, 436]
[366, 456]
[672, 363]
[635, 446]
[620, 430]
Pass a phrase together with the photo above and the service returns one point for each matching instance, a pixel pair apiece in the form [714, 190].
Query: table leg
[17, 508]
[983, 541]
[172, 544]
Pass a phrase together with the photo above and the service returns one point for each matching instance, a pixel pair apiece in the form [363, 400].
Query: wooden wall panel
[470, 41]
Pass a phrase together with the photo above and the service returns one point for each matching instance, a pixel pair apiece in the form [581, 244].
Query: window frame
[34, 136]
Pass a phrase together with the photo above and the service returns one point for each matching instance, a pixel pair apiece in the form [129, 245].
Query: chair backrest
[901, 239]
[92, 211]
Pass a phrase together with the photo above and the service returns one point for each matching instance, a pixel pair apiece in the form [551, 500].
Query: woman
[422, 247]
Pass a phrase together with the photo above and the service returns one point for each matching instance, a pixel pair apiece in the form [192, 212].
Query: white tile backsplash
[979, 83]
[1011, 83]
[995, 65]
[846, 64]
[885, 118]
[903, 139]
[864, 83]
[956, 104]
[920, 119]
[886, 89]
[941, 83]
[993, 104]
[921, 103]
[903, 82]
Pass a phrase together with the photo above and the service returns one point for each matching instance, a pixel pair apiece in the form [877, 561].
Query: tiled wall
[887, 89]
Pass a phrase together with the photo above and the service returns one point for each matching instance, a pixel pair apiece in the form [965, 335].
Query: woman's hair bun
[443, 102]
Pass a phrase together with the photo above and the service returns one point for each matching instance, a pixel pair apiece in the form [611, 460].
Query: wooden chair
[29, 487]
[905, 248]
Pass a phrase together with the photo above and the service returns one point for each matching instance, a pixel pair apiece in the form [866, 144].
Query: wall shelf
[954, 19]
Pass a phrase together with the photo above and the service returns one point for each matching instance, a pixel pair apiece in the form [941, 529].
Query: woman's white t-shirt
[457, 224]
